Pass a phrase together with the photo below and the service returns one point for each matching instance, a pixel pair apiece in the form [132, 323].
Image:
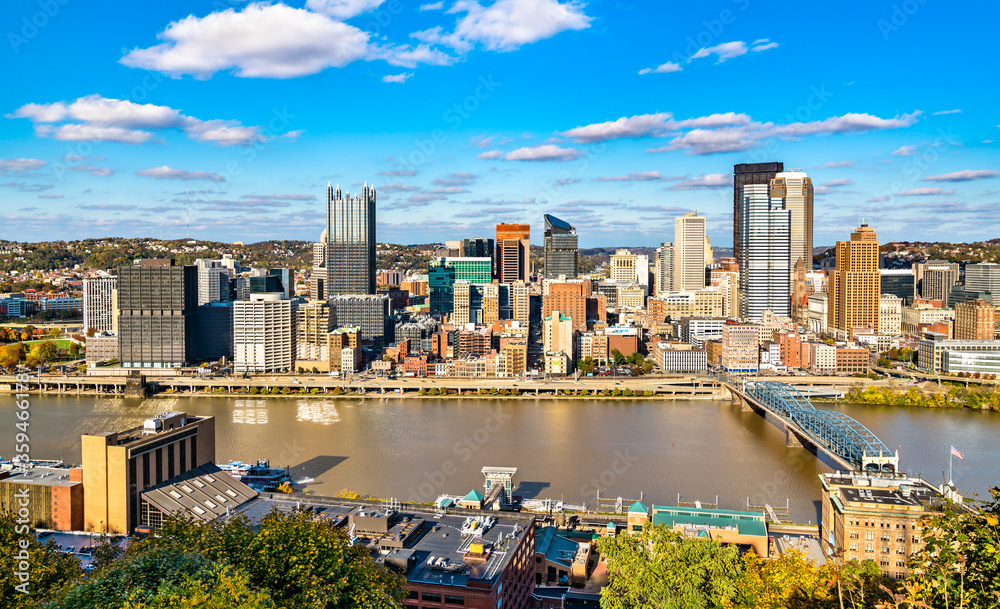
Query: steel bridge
[848, 442]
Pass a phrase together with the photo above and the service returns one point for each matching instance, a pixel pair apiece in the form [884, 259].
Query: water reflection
[250, 412]
[322, 412]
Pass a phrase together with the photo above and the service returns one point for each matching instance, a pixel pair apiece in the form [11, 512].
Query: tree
[48, 568]
[11, 355]
[42, 353]
[619, 359]
[586, 365]
[659, 568]
[74, 349]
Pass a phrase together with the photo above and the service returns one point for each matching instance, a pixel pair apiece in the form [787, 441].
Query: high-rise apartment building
[936, 278]
[689, 253]
[975, 320]
[118, 466]
[213, 281]
[727, 279]
[318, 277]
[664, 275]
[557, 330]
[855, 285]
[350, 242]
[796, 188]
[513, 252]
[561, 255]
[569, 297]
[157, 314]
[764, 255]
[520, 303]
[623, 267]
[740, 348]
[100, 306]
[468, 303]
[496, 302]
[370, 313]
[746, 174]
[312, 336]
[264, 333]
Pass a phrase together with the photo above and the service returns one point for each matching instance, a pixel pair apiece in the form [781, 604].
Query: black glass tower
[561, 251]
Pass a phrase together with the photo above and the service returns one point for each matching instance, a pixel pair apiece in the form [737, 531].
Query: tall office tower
[444, 272]
[319, 276]
[936, 278]
[890, 314]
[796, 188]
[480, 247]
[215, 331]
[561, 255]
[264, 333]
[746, 174]
[800, 291]
[664, 269]
[157, 314]
[370, 312]
[983, 277]
[350, 242]
[642, 271]
[468, 303]
[241, 288]
[100, 306]
[623, 267]
[286, 279]
[975, 320]
[569, 297]
[520, 303]
[855, 285]
[491, 303]
[513, 252]
[213, 281]
[118, 466]
[899, 282]
[727, 279]
[312, 336]
[765, 267]
[689, 253]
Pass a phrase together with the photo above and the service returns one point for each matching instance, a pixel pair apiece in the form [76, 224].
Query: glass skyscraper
[561, 252]
[765, 253]
[350, 242]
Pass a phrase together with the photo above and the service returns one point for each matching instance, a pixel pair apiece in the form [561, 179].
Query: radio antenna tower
[187, 205]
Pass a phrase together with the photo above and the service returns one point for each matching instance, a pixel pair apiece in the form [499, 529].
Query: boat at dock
[260, 476]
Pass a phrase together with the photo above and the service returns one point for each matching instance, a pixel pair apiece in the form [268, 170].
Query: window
[885, 549]
[854, 534]
[900, 538]
[451, 599]
[870, 536]
[854, 546]
[885, 537]
[869, 547]
[431, 597]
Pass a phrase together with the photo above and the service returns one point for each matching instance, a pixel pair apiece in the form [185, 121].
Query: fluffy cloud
[93, 170]
[939, 112]
[923, 191]
[506, 25]
[724, 51]
[20, 165]
[342, 9]
[261, 41]
[545, 152]
[905, 150]
[398, 78]
[663, 68]
[966, 175]
[708, 181]
[645, 176]
[763, 44]
[97, 118]
[490, 155]
[642, 125]
[167, 173]
[391, 188]
[434, 6]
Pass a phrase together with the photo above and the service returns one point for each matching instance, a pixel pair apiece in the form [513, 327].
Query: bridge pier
[792, 439]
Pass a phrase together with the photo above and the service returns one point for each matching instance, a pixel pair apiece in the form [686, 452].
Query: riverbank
[979, 398]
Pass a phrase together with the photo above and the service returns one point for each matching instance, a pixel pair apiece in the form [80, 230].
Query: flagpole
[951, 457]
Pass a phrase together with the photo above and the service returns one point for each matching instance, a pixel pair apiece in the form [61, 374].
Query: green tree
[41, 353]
[618, 358]
[586, 365]
[11, 355]
[48, 569]
[660, 568]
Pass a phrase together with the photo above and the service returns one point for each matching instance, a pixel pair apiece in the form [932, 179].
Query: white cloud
[506, 25]
[642, 125]
[664, 68]
[167, 173]
[838, 182]
[490, 155]
[93, 170]
[409, 57]
[51, 196]
[835, 164]
[939, 112]
[399, 78]
[20, 165]
[724, 51]
[261, 41]
[966, 175]
[545, 152]
[923, 191]
[904, 150]
[644, 176]
[763, 45]
[116, 120]
[433, 6]
[342, 9]
[391, 188]
[709, 181]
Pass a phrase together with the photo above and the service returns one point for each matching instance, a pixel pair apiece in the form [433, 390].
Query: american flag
[955, 452]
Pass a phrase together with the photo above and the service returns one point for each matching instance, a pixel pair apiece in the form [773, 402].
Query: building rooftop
[747, 523]
[43, 476]
[205, 493]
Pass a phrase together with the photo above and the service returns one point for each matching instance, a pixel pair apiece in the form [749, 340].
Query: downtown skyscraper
[689, 253]
[764, 255]
[796, 188]
[745, 174]
[855, 285]
[513, 252]
[561, 249]
[344, 261]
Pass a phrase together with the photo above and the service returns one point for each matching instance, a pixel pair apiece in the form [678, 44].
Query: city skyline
[455, 113]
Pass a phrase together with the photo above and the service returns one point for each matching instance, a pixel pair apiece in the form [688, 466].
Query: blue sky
[613, 116]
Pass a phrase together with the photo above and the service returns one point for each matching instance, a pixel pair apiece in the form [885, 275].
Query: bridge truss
[833, 431]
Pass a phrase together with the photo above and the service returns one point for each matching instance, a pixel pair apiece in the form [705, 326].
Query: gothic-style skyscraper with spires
[344, 261]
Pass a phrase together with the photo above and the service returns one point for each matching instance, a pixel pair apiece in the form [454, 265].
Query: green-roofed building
[474, 500]
[725, 526]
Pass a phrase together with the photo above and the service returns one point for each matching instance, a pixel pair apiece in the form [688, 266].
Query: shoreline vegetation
[972, 398]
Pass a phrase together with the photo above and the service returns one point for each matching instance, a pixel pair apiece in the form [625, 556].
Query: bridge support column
[792, 439]
[745, 406]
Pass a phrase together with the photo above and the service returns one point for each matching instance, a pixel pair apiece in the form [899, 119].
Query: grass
[61, 343]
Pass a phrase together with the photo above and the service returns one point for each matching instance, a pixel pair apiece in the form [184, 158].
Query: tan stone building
[974, 320]
[855, 285]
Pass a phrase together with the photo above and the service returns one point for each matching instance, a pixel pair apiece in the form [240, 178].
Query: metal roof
[205, 492]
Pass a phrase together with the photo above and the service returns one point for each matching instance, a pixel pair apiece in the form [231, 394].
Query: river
[416, 449]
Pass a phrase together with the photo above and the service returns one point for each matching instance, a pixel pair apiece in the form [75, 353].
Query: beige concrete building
[796, 188]
[118, 466]
[264, 333]
[703, 303]
[312, 329]
[726, 279]
[890, 315]
[689, 252]
[974, 320]
[920, 314]
[623, 267]
[557, 332]
[520, 302]
[855, 285]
